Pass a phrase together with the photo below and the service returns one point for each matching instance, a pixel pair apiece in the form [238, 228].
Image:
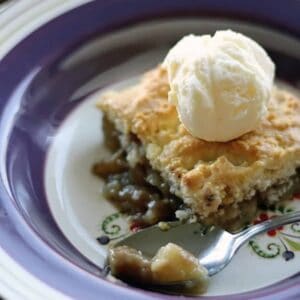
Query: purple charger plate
[36, 86]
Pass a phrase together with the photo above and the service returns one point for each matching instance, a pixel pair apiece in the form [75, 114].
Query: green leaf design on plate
[272, 250]
[296, 227]
[281, 209]
[294, 245]
[108, 227]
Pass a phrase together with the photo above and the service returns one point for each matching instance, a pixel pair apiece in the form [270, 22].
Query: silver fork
[213, 246]
[219, 246]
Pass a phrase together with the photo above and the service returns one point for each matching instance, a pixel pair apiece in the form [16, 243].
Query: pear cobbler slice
[204, 137]
[160, 172]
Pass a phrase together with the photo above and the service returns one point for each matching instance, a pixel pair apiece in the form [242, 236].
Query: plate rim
[15, 215]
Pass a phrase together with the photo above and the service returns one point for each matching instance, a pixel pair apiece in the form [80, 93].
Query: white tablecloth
[18, 18]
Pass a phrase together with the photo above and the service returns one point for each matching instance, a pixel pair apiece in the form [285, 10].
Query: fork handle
[254, 230]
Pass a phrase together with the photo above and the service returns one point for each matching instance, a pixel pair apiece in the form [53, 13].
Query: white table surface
[18, 18]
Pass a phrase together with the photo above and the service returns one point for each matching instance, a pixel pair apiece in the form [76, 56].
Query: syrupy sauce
[139, 192]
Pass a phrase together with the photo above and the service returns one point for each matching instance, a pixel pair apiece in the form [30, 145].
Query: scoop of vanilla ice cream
[220, 84]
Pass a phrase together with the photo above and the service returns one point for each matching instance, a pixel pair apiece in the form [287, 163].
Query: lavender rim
[138, 12]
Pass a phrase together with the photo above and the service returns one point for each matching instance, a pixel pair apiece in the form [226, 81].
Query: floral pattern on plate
[283, 241]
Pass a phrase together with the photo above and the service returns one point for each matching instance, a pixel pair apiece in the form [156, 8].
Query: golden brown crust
[208, 175]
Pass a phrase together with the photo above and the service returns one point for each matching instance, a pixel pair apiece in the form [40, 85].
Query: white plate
[74, 196]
